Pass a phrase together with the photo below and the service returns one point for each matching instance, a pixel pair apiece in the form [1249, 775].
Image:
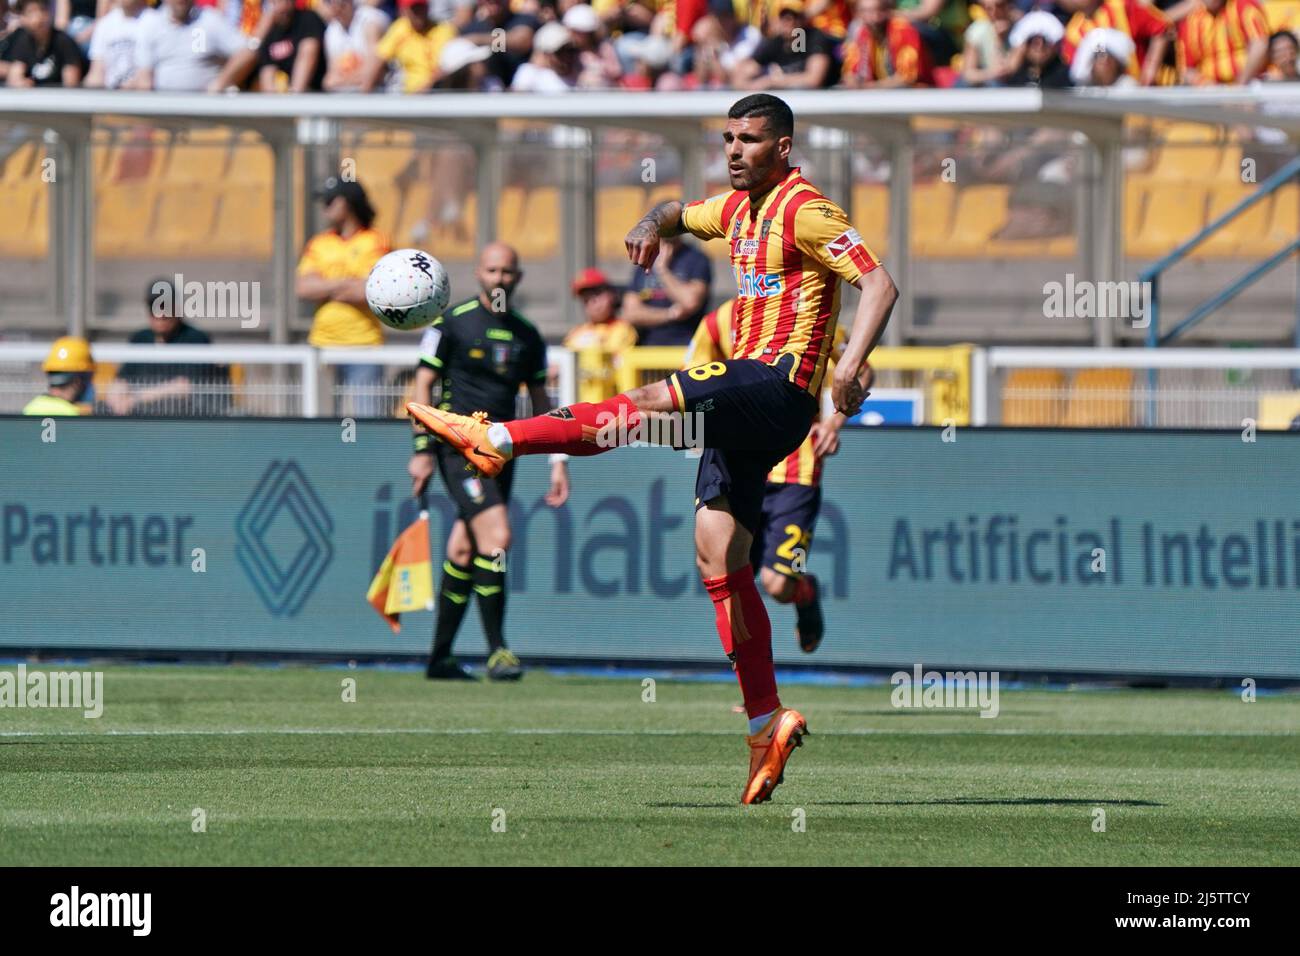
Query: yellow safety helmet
[69, 354]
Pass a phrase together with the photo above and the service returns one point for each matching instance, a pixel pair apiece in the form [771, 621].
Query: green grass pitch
[582, 771]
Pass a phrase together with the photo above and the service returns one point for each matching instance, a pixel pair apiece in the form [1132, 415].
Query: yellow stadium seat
[23, 209]
[932, 213]
[531, 218]
[1246, 236]
[870, 213]
[202, 164]
[1101, 398]
[981, 211]
[245, 222]
[21, 165]
[1285, 225]
[251, 164]
[1179, 163]
[617, 207]
[380, 163]
[1034, 397]
[124, 216]
[1172, 214]
[1135, 201]
[1278, 409]
[185, 218]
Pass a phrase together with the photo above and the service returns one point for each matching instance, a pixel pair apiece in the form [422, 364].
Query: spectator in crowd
[411, 48]
[463, 65]
[68, 370]
[515, 42]
[553, 67]
[598, 64]
[986, 50]
[38, 54]
[351, 43]
[832, 17]
[292, 54]
[332, 273]
[941, 24]
[794, 56]
[1283, 48]
[1148, 28]
[665, 303]
[172, 388]
[651, 57]
[113, 46]
[1225, 41]
[1036, 45]
[167, 58]
[884, 50]
[77, 18]
[721, 40]
[1102, 58]
[601, 327]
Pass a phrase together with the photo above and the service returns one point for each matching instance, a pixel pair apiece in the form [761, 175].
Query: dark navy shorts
[748, 416]
[784, 541]
[472, 492]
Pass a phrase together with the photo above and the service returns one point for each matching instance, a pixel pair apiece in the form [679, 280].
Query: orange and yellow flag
[404, 581]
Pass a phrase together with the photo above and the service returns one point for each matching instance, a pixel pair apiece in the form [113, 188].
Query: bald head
[498, 273]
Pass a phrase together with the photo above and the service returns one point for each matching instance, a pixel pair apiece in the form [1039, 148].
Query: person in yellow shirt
[68, 369]
[332, 273]
[603, 328]
[412, 46]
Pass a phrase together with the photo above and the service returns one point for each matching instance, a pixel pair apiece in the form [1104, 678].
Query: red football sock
[572, 429]
[746, 635]
[803, 592]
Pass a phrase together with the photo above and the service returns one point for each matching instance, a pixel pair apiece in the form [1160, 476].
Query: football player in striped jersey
[790, 249]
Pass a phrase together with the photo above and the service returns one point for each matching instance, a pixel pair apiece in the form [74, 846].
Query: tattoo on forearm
[664, 219]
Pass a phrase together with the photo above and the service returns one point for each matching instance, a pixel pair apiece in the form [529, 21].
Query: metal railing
[267, 380]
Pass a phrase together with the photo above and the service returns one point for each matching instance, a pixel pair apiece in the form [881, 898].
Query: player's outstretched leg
[746, 635]
[585, 428]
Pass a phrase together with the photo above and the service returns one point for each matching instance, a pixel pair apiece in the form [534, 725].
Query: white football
[407, 289]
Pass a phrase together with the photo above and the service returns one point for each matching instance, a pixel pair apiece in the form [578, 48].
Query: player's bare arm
[420, 467]
[642, 240]
[853, 375]
[558, 493]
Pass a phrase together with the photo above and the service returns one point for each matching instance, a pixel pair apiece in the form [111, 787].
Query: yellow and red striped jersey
[1141, 21]
[1217, 43]
[712, 342]
[789, 252]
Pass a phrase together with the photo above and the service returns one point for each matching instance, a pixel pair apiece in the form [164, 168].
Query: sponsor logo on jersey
[843, 243]
[758, 285]
[735, 229]
[744, 247]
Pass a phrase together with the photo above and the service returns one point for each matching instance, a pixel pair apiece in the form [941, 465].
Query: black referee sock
[490, 586]
[453, 602]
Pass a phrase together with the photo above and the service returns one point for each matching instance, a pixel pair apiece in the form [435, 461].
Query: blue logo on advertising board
[284, 538]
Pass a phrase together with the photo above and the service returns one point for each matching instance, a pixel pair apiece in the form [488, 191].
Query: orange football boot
[465, 433]
[769, 749]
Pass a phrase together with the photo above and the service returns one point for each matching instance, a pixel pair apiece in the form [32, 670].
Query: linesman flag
[405, 579]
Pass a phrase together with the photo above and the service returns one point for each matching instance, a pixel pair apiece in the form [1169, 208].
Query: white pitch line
[557, 731]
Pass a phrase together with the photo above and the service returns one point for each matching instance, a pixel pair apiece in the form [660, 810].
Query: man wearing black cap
[332, 273]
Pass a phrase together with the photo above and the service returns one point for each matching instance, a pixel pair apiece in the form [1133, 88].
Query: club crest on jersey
[767, 227]
[758, 285]
[843, 243]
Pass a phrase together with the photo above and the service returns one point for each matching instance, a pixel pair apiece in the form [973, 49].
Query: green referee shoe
[503, 665]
